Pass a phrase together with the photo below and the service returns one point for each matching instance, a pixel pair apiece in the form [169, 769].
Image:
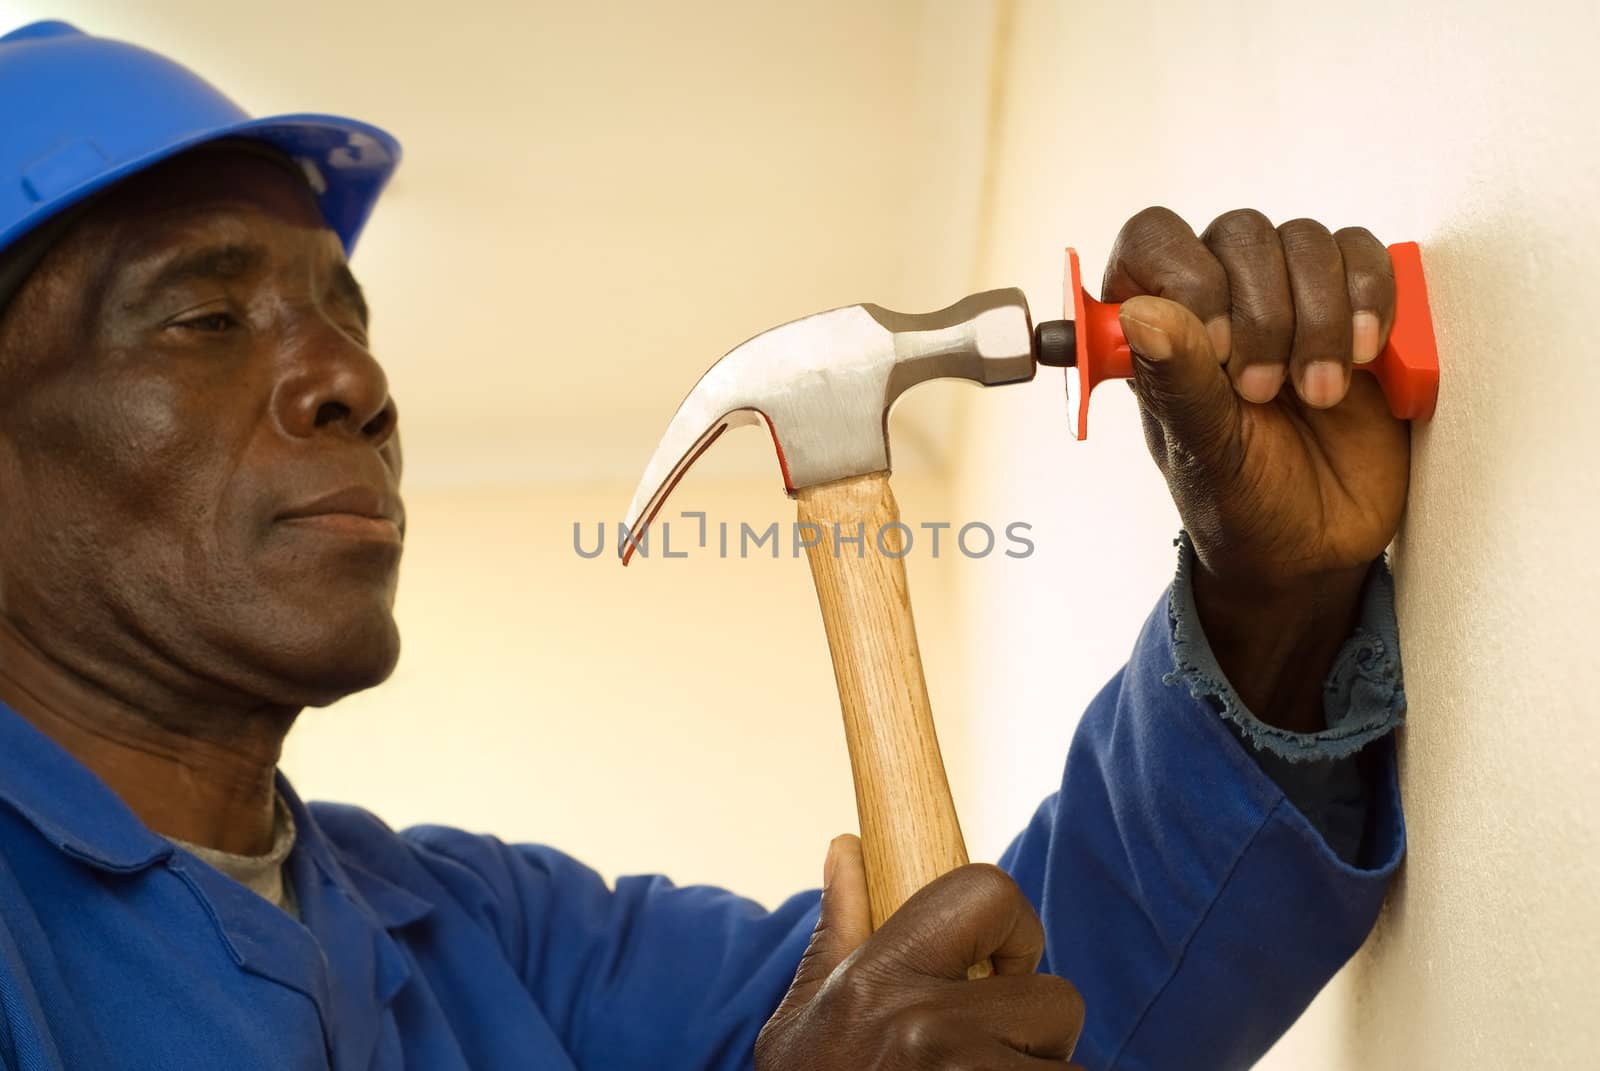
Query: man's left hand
[1288, 470]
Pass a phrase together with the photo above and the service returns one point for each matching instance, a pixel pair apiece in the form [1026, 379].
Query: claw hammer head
[824, 385]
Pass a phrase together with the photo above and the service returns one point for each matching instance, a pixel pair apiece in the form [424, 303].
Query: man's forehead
[228, 235]
[210, 194]
[219, 214]
[209, 220]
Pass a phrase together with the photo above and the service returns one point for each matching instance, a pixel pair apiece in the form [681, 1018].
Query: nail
[828, 865]
[1260, 382]
[1322, 384]
[1221, 333]
[1365, 333]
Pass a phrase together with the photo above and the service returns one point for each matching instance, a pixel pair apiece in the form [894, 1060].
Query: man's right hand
[900, 1000]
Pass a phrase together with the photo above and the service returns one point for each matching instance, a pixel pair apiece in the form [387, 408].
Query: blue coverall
[1195, 907]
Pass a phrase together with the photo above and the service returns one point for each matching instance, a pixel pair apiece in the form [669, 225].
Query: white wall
[1472, 129]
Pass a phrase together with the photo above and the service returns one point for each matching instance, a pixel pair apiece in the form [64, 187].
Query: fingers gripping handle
[909, 831]
[1407, 369]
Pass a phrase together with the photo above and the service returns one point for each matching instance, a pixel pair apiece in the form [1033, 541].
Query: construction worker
[199, 463]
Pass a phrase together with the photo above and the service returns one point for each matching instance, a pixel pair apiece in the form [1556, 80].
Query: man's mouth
[359, 512]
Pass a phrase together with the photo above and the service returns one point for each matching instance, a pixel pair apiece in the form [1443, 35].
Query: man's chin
[315, 675]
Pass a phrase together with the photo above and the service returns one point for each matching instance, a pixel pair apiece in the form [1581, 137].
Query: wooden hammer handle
[909, 832]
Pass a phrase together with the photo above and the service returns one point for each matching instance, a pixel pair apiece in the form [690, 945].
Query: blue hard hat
[81, 112]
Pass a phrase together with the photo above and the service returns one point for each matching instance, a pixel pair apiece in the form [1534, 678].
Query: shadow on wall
[1483, 562]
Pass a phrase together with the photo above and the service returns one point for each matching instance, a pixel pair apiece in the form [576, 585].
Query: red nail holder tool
[1407, 369]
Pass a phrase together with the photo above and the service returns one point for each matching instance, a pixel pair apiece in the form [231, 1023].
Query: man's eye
[210, 323]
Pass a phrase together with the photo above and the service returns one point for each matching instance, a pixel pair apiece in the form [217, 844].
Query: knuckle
[1240, 228]
[920, 1035]
[1303, 233]
[1317, 316]
[1308, 245]
[1063, 998]
[1149, 235]
[1191, 279]
[1358, 239]
[852, 984]
[1368, 270]
[1201, 286]
[1264, 323]
[1160, 252]
[1371, 290]
[1153, 223]
[990, 882]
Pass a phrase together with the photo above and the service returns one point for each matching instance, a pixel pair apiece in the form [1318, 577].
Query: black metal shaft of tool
[1055, 343]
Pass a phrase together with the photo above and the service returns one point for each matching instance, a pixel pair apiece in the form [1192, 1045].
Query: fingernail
[1366, 337]
[1152, 342]
[828, 866]
[1260, 382]
[1221, 334]
[1323, 384]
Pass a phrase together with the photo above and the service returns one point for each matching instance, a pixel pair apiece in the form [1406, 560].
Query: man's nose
[334, 386]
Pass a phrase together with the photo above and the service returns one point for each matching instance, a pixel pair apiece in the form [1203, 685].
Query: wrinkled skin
[159, 615]
[1290, 476]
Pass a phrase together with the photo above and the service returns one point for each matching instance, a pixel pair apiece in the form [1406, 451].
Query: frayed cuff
[1363, 697]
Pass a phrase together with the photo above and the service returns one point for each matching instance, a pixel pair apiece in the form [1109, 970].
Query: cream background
[1470, 128]
[597, 200]
[600, 198]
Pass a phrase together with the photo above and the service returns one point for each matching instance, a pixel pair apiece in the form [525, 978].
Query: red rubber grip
[1407, 369]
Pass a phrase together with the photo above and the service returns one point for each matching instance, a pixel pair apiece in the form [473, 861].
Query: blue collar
[71, 807]
[79, 814]
[390, 904]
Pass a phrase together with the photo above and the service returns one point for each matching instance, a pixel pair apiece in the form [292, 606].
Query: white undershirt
[262, 874]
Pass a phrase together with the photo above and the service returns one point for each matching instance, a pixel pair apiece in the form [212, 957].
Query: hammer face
[824, 386]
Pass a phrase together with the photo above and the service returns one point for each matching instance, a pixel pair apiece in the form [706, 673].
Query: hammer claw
[641, 514]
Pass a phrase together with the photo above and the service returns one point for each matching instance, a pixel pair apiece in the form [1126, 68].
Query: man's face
[198, 453]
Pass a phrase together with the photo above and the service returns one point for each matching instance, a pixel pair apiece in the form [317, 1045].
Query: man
[200, 462]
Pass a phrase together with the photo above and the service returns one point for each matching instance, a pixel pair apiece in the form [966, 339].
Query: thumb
[845, 921]
[1178, 378]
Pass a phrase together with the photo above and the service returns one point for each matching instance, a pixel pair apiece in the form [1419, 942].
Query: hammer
[824, 385]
